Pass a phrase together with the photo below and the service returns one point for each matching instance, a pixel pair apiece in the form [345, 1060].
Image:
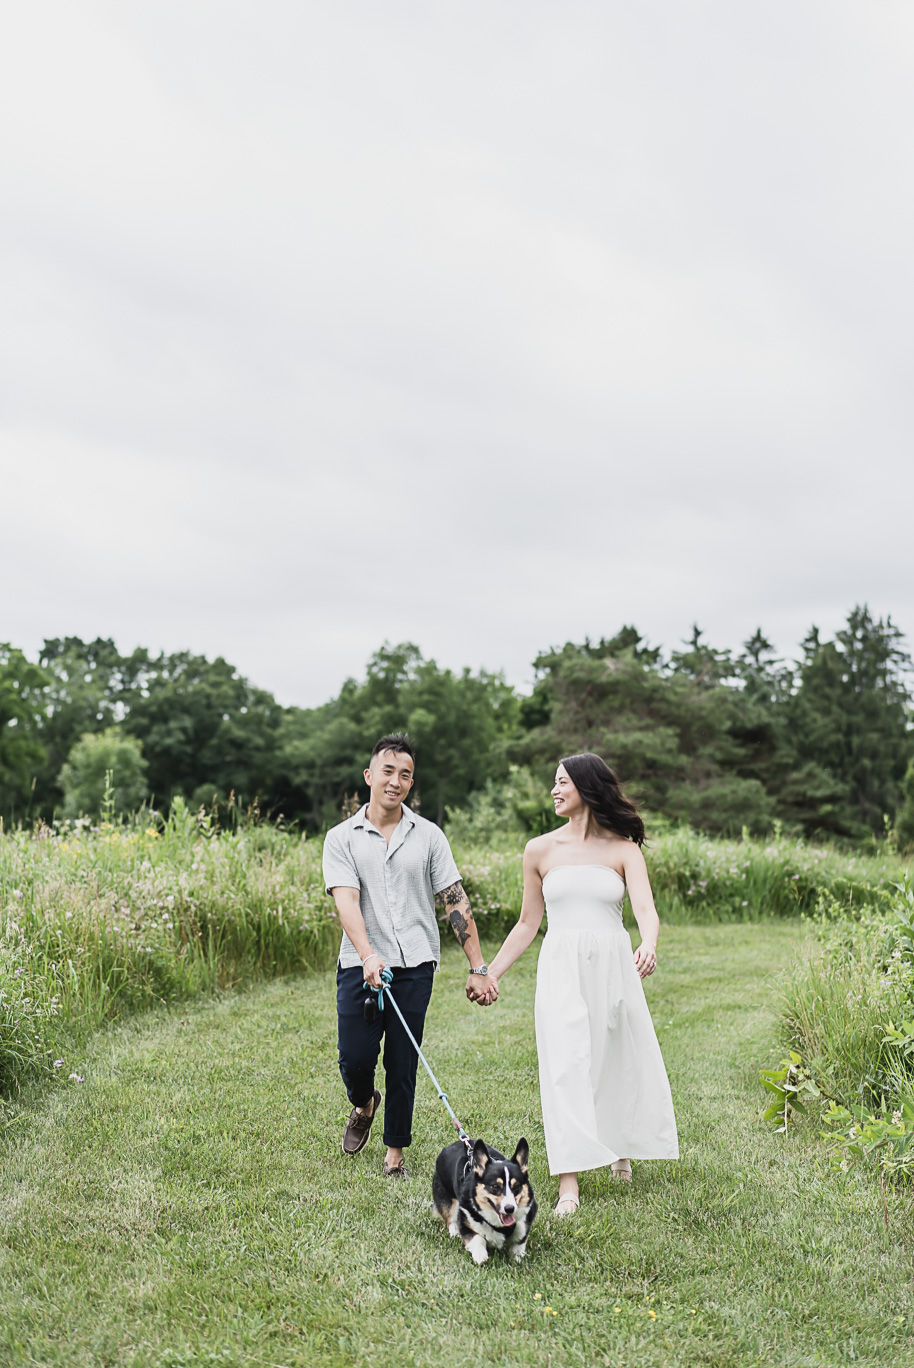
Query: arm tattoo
[461, 925]
[459, 914]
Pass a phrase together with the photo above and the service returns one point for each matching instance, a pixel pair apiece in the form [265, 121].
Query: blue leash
[387, 979]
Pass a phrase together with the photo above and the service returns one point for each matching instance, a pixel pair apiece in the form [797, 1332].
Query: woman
[605, 1094]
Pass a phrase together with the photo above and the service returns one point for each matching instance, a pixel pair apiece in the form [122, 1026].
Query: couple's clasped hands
[482, 989]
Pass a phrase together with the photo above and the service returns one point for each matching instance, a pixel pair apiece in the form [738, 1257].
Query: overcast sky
[485, 326]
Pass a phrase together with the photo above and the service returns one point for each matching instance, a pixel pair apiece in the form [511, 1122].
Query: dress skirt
[604, 1088]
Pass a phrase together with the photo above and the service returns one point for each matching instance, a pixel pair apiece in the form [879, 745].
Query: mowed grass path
[188, 1203]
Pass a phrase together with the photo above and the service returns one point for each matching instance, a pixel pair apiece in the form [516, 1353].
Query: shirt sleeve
[443, 870]
[339, 866]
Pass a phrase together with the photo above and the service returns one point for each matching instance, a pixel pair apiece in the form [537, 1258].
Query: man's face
[390, 778]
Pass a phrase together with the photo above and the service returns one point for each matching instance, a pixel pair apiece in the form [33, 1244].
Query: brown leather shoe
[395, 1170]
[358, 1127]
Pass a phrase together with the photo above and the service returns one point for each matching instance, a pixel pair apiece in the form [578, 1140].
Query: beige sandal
[622, 1171]
[569, 1197]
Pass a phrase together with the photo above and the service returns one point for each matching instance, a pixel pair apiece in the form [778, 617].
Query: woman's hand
[371, 967]
[646, 959]
[490, 993]
[482, 988]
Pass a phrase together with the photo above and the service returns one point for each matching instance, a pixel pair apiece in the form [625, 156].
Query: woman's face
[565, 796]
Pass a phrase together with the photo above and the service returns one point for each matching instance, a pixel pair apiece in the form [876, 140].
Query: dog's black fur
[486, 1200]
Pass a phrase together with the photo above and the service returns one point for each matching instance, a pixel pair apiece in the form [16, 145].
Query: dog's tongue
[506, 1220]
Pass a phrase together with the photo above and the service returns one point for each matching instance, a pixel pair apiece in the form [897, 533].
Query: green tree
[95, 756]
[87, 685]
[22, 687]
[849, 720]
[203, 724]
[904, 824]
[670, 730]
[460, 724]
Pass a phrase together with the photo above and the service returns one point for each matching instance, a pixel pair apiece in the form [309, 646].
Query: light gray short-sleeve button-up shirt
[397, 884]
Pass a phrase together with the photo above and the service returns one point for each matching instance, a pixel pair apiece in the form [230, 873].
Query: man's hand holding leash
[372, 965]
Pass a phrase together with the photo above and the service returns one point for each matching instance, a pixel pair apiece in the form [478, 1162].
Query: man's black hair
[395, 741]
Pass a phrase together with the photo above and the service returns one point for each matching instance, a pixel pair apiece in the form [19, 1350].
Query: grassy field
[97, 923]
[187, 1203]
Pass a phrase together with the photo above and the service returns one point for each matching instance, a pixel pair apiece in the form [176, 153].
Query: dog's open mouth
[506, 1220]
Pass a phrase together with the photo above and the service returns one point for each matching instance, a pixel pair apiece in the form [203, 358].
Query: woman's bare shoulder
[631, 855]
[536, 849]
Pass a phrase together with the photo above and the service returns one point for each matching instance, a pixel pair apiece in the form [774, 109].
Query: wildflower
[617, 1309]
[744, 903]
[58, 1063]
[844, 1166]
[537, 1296]
[17, 892]
[896, 1118]
[652, 1314]
[77, 1078]
[896, 954]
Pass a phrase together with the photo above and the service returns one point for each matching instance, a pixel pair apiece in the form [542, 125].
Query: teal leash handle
[386, 980]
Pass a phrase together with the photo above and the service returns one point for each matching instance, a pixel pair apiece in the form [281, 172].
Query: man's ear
[480, 1158]
[367, 774]
[521, 1155]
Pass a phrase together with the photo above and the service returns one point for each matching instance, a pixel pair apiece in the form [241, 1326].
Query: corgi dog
[487, 1200]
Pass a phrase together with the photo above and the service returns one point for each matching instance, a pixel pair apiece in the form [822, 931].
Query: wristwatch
[482, 970]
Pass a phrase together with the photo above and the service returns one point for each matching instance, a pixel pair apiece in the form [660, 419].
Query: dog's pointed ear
[480, 1157]
[521, 1155]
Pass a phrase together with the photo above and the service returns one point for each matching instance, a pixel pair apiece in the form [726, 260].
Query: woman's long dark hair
[599, 786]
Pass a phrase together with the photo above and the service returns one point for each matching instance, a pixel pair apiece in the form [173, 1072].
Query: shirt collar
[361, 817]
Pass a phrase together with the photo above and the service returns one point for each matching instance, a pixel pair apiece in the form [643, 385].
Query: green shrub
[104, 768]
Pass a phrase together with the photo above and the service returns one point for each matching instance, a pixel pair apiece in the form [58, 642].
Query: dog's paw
[478, 1250]
[519, 1251]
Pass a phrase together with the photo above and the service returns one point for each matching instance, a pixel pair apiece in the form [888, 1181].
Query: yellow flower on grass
[537, 1296]
[652, 1314]
[617, 1309]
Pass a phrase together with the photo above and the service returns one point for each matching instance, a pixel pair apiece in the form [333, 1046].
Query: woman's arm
[531, 916]
[642, 901]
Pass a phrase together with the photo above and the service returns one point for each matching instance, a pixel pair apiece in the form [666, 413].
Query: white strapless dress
[604, 1087]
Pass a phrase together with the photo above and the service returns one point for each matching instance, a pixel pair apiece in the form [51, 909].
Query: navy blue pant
[360, 1044]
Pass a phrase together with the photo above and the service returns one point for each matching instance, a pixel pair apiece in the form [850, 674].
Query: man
[383, 867]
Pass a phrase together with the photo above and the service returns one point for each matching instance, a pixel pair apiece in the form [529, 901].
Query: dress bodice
[584, 898]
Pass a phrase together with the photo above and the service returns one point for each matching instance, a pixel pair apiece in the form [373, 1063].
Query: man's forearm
[463, 924]
[353, 923]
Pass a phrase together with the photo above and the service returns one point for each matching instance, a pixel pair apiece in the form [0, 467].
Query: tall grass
[98, 922]
[699, 879]
[840, 1001]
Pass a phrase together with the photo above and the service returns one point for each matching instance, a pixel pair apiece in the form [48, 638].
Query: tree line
[723, 740]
